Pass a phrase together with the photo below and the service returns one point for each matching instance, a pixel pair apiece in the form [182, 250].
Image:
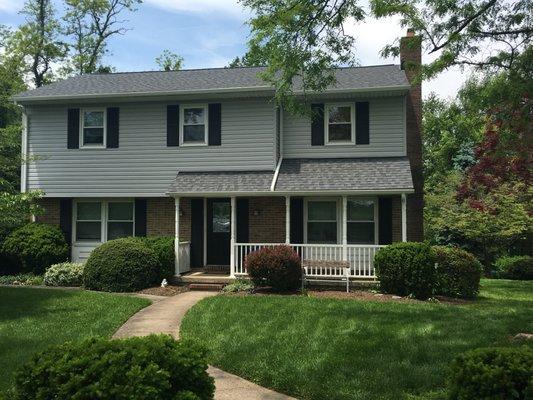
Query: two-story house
[206, 156]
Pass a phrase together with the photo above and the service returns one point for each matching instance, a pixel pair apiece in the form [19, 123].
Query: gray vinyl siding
[143, 165]
[387, 133]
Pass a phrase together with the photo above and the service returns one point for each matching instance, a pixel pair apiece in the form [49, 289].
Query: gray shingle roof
[308, 175]
[198, 80]
[221, 181]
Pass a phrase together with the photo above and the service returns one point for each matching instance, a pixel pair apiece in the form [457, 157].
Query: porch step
[215, 287]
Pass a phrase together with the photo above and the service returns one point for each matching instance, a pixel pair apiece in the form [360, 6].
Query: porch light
[181, 212]
[256, 213]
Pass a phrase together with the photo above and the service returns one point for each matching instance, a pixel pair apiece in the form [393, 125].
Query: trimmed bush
[155, 367]
[21, 279]
[64, 274]
[36, 246]
[163, 247]
[239, 286]
[515, 267]
[275, 266]
[458, 272]
[492, 373]
[407, 269]
[121, 265]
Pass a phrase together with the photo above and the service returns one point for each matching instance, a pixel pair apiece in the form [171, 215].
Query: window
[361, 221]
[221, 217]
[339, 123]
[322, 221]
[89, 221]
[119, 220]
[93, 128]
[194, 125]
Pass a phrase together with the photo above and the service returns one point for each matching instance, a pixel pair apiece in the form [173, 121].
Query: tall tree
[169, 61]
[89, 25]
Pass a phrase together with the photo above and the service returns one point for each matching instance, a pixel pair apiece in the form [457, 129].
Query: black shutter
[385, 220]
[317, 124]
[242, 221]
[215, 124]
[297, 220]
[65, 218]
[197, 232]
[173, 120]
[362, 123]
[113, 116]
[140, 217]
[73, 128]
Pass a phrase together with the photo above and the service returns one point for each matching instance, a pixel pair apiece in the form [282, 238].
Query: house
[205, 155]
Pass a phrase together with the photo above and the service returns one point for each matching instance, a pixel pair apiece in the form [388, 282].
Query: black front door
[218, 231]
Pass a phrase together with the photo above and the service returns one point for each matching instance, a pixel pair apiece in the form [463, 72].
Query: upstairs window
[92, 130]
[194, 125]
[361, 220]
[339, 126]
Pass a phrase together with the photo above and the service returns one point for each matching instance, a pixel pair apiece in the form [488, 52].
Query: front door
[218, 231]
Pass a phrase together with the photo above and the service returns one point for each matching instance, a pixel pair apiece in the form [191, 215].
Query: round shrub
[121, 265]
[64, 274]
[492, 373]
[36, 246]
[515, 267]
[163, 247]
[154, 367]
[406, 269]
[275, 266]
[458, 272]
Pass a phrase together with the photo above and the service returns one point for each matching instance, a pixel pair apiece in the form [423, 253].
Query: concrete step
[215, 287]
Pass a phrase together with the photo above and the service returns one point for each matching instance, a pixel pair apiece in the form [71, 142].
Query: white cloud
[11, 6]
[227, 7]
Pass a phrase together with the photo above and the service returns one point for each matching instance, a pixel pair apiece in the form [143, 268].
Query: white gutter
[24, 154]
[276, 173]
[366, 192]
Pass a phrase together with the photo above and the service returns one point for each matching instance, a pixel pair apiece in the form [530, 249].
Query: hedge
[276, 266]
[458, 272]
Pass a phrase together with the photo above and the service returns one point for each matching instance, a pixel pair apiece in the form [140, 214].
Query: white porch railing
[184, 258]
[359, 257]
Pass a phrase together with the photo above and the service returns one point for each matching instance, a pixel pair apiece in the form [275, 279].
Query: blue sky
[210, 33]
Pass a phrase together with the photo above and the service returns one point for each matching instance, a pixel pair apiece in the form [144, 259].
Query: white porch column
[233, 236]
[287, 219]
[344, 228]
[177, 234]
[404, 218]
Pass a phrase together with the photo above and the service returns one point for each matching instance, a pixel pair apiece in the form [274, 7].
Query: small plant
[458, 272]
[277, 266]
[515, 267]
[492, 373]
[64, 274]
[154, 367]
[21, 280]
[239, 285]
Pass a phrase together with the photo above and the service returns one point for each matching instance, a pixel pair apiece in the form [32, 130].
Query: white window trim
[104, 218]
[82, 120]
[326, 124]
[338, 211]
[206, 124]
[375, 221]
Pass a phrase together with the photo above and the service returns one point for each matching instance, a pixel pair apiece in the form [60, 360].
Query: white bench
[326, 271]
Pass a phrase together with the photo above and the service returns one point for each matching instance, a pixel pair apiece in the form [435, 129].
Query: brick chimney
[411, 60]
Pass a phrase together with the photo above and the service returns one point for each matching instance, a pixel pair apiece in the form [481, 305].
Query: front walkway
[164, 316]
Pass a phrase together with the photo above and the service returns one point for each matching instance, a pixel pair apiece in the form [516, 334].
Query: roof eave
[366, 192]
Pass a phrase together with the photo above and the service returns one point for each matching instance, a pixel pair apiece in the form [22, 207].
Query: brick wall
[160, 217]
[50, 211]
[269, 225]
[411, 58]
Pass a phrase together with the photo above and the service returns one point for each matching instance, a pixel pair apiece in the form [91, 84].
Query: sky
[210, 33]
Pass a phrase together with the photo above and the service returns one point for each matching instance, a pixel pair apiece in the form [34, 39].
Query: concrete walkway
[164, 316]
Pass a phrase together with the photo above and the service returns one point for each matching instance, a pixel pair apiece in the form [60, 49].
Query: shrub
[64, 274]
[21, 279]
[515, 267]
[154, 367]
[492, 373]
[36, 246]
[239, 285]
[163, 247]
[121, 265]
[406, 269]
[275, 266]
[458, 272]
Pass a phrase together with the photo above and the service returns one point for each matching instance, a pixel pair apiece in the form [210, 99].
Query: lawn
[316, 348]
[32, 319]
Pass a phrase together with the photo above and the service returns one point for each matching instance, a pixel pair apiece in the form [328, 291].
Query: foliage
[36, 247]
[64, 274]
[163, 247]
[514, 267]
[21, 279]
[11, 81]
[239, 285]
[169, 61]
[458, 272]
[275, 266]
[152, 367]
[406, 269]
[492, 373]
[121, 265]
[10, 159]
[254, 57]
[15, 210]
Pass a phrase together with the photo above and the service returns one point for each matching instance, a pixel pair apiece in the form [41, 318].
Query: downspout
[24, 154]
[278, 166]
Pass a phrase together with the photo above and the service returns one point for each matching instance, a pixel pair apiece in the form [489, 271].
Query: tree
[169, 61]
[254, 57]
[89, 25]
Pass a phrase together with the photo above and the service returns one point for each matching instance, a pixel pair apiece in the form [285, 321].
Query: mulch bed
[170, 290]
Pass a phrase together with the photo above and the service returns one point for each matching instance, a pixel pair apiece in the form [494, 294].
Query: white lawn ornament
[164, 283]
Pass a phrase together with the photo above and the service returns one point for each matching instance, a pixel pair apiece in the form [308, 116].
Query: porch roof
[221, 182]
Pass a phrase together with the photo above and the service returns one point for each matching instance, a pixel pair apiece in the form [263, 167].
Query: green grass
[32, 319]
[350, 349]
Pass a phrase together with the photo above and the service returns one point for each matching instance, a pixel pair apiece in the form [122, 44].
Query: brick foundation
[50, 213]
[269, 225]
